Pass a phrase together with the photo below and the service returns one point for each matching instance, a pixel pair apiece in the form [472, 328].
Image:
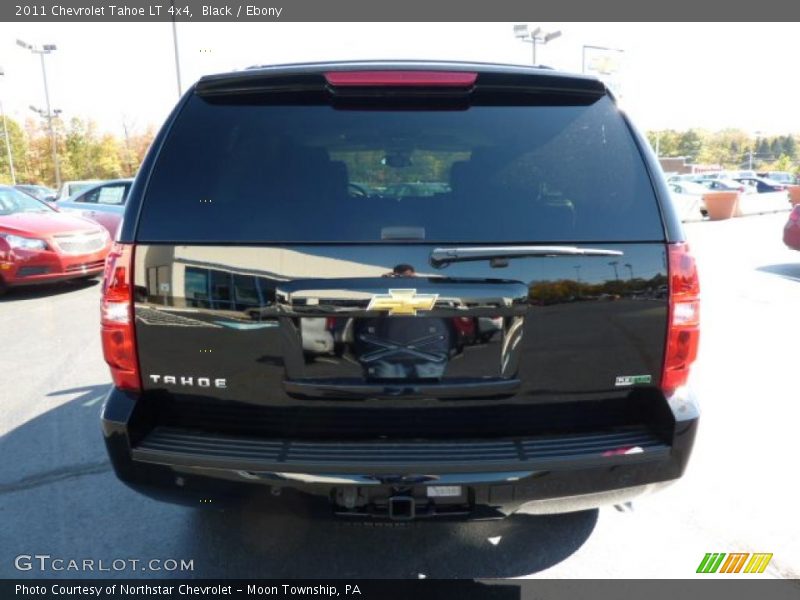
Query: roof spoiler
[344, 77]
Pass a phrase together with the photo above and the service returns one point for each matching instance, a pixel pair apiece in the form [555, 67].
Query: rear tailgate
[332, 264]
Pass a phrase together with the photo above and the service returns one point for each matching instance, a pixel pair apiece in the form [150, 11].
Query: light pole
[175, 45]
[537, 36]
[629, 266]
[8, 142]
[614, 264]
[46, 49]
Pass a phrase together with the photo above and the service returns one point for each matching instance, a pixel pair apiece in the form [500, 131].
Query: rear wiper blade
[444, 256]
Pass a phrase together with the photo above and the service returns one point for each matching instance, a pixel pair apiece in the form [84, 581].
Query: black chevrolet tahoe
[399, 290]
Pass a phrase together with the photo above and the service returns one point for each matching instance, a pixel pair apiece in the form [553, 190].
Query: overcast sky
[675, 75]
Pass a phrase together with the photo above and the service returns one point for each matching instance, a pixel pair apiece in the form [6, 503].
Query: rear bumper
[470, 478]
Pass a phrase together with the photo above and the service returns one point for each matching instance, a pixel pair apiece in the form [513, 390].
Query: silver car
[103, 202]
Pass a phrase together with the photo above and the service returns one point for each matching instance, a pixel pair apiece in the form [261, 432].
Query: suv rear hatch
[400, 254]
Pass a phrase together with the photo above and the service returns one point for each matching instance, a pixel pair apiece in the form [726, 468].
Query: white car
[682, 177]
[688, 187]
[727, 185]
[687, 197]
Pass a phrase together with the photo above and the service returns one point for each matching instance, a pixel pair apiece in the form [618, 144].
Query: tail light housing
[116, 318]
[683, 331]
[456, 79]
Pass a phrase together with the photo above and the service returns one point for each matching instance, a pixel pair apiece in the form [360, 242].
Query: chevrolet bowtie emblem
[402, 302]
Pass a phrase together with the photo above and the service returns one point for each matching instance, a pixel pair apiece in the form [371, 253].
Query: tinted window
[246, 289]
[211, 288]
[266, 173]
[196, 290]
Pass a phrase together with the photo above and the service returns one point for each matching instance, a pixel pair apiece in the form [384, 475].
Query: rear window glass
[308, 173]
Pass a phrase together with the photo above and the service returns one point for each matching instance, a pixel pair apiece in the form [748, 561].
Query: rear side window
[107, 194]
[238, 172]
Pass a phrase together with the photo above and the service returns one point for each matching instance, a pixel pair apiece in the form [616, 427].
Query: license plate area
[444, 491]
[401, 503]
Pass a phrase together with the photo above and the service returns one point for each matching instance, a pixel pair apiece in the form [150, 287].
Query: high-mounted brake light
[116, 318]
[400, 79]
[683, 334]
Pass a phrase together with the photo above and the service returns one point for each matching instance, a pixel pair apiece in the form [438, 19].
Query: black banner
[387, 589]
[408, 10]
[207, 589]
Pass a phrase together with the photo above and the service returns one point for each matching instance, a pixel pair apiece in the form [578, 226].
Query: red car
[791, 232]
[40, 245]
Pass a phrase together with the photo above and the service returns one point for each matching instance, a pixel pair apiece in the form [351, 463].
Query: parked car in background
[688, 198]
[683, 177]
[38, 244]
[40, 192]
[791, 231]
[70, 188]
[762, 185]
[104, 203]
[710, 175]
[783, 177]
[740, 174]
[688, 187]
[726, 185]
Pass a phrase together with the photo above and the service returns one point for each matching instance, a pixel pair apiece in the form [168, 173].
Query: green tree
[784, 163]
[664, 141]
[790, 147]
[689, 144]
[776, 147]
[79, 142]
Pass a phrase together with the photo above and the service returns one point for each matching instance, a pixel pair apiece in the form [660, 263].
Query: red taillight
[400, 78]
[683, 334]
[116, 318]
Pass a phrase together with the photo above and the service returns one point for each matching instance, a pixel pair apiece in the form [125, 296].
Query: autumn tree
[730, 148]
[18, 144]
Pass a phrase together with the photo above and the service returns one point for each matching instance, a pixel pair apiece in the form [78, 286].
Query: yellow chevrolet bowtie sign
[402, 302]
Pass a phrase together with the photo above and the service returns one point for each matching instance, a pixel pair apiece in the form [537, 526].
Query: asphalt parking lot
[58, 495]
